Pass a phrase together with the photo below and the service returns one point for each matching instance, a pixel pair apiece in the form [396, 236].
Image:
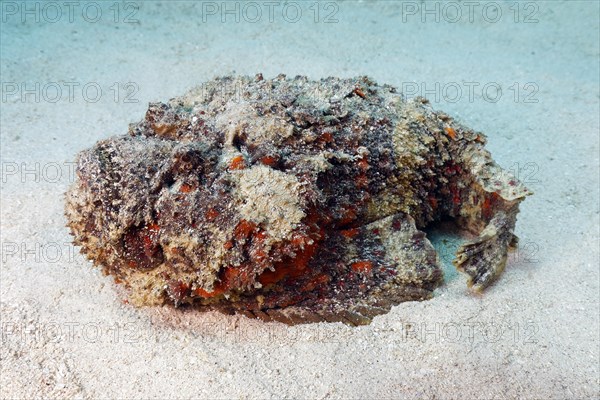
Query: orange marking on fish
[360, 93]
[243, 229]
[211, 214]
[349, 233]
[269, 160]
[237, 163]
[185, 188]
[451, 132]
[362, 266]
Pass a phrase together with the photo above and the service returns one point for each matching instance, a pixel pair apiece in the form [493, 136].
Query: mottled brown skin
[290, 200]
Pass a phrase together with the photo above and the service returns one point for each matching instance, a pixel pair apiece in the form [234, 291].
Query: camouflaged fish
[290, 200]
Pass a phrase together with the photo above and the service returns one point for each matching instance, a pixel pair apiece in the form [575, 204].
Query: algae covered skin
[290, 199]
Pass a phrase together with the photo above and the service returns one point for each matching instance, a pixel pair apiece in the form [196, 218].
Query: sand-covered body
[290, 199]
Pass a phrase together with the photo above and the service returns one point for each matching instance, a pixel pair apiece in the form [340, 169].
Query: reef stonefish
[291, 200]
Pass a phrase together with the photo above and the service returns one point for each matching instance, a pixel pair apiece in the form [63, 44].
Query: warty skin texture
[291, 200]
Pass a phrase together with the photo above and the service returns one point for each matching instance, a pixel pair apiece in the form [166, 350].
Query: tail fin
[490, 211]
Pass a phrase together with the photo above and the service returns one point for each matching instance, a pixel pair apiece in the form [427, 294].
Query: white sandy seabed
[66, 331]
